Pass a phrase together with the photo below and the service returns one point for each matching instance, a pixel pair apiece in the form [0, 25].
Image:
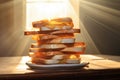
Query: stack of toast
[55, 42]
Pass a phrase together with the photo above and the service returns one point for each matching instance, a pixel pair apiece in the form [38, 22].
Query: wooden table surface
[100, 67]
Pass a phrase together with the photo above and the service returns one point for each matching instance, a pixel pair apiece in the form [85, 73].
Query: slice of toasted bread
[62, 40]
[55, 61]
[45, 61]
[47, 55]
[38, 24]
[78, 49]
[54, 24]
[57, 41]
[52, 55]
[52, 32]
[50, 36]
[66, 31]
[67, 44]
[52, 46]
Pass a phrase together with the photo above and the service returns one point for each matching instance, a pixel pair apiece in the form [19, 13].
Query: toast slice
[52, 55]
[52, 32]
[49, 46]
[47, 55]
[45, 61]
[57, 41]
[54, 24]
[50, 36]
[56, 59]
[77, 49]
[37, 45]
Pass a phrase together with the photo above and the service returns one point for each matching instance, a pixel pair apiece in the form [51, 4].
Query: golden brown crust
[52, 32]
[52, 57]
[49, 36]
[37, 45]
[40, 23]
[58, 23]
[46, 55]
[79, 50]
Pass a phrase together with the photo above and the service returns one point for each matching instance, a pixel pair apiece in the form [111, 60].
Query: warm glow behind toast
[48, 9]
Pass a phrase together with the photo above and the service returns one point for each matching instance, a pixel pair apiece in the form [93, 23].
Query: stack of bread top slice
[55, 42]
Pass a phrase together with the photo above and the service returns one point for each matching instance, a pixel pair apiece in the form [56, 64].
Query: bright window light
[47, 9]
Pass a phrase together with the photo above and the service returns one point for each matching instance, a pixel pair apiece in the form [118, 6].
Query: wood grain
[15, 67]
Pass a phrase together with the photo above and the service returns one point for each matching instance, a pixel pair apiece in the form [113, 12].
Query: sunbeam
[98, 20]
[102, 21]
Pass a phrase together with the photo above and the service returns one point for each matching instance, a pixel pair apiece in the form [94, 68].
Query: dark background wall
[101, 19]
